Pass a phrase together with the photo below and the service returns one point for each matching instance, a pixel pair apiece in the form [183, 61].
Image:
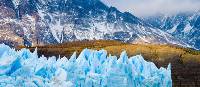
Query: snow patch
[172, 30]
[16, 3]
[187, 28]
[57, 31]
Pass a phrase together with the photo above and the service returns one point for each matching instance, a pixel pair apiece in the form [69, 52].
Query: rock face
[183, 25]
[58, 21]
[91, 69]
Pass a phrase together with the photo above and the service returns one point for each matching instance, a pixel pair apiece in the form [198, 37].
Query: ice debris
[91, 69]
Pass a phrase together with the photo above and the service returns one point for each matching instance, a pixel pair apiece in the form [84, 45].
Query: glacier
[91, 68]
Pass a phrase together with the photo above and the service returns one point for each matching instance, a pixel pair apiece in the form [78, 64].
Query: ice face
[90, 69]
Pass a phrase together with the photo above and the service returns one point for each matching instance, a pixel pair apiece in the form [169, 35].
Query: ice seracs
[91, 69]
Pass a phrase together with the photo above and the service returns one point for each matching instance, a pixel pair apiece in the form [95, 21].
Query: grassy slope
[185, 62]
[152, 52]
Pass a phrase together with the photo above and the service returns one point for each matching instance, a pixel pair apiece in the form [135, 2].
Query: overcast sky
[151, 7]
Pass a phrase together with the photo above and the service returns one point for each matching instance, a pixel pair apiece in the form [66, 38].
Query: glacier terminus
[90, 69]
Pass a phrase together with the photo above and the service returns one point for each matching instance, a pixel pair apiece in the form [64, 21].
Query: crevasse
[90, 69]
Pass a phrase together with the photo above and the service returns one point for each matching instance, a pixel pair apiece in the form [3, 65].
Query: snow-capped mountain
[183, 25]
[58, 21]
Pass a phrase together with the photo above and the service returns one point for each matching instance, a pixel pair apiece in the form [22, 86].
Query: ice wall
[90, 69]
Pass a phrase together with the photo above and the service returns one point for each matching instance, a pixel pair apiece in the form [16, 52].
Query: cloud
[151, 7]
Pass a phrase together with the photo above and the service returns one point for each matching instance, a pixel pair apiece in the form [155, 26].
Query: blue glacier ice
[90, 69]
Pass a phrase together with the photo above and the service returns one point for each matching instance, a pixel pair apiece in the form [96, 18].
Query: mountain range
[183, 25]
[40, 22]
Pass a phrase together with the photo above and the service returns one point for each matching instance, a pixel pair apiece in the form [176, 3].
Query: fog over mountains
[143, 8]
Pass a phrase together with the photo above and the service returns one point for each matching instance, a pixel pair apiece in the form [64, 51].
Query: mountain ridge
[183, 25]
[50, 22]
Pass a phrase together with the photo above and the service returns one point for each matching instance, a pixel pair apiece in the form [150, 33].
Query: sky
[152, 7]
